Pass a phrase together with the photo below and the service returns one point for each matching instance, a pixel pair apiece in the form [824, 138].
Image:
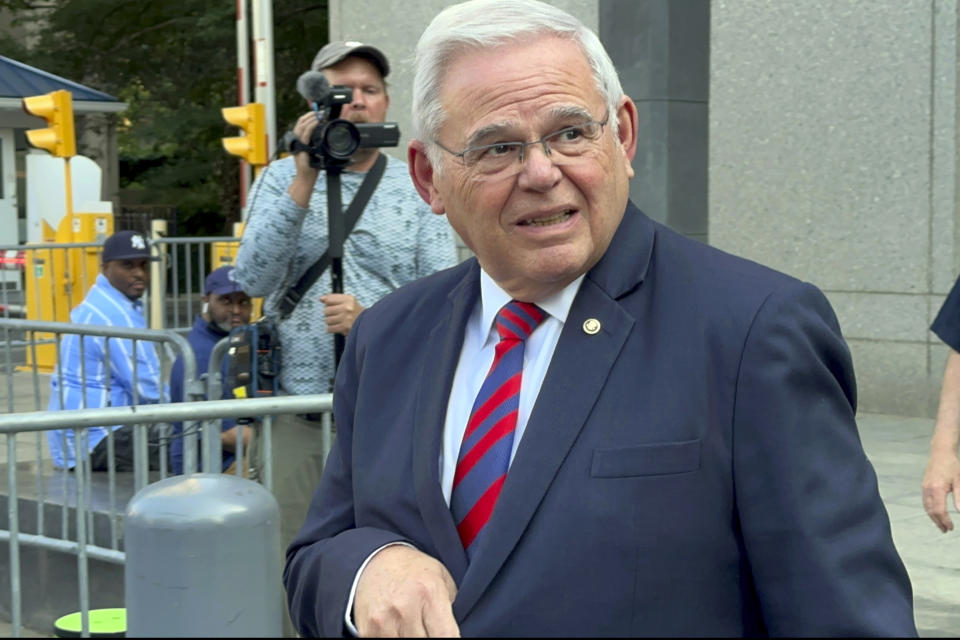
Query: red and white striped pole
[243, 89]
[265, 80]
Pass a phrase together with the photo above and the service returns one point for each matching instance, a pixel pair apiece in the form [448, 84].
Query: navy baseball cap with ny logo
[126, 245]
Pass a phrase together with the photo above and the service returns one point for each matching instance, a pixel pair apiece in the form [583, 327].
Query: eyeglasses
[504, 159]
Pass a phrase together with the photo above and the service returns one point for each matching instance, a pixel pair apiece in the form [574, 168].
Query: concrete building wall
[818, 137]
[661, 51]
[832, 158]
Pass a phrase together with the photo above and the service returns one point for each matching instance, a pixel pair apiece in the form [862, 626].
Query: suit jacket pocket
[661, 458]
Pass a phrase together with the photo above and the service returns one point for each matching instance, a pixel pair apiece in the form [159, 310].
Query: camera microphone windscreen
[313, 86]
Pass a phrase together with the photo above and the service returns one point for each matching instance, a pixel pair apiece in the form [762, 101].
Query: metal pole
[265, 90]
[336, 235]
[243, 87]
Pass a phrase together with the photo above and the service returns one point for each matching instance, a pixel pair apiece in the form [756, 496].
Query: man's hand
[302, 185]
[942, 477]
[340, 310]
[404, 592]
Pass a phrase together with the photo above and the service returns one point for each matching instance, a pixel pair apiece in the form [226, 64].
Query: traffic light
[56, 108]
[252, 146]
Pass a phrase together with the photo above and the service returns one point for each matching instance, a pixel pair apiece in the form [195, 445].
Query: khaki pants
[297, 460]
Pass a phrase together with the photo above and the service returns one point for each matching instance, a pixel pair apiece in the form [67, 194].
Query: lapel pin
[591, 326]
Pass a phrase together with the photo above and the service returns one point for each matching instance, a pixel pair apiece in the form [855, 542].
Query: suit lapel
[574, 380]
[431, 410]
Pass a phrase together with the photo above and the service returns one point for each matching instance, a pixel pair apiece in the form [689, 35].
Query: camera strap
[293, 295]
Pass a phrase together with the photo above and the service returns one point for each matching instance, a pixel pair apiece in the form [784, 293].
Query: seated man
[225, 307]
[106, 372]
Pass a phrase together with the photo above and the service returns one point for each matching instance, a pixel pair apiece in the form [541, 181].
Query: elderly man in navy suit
[597, 427]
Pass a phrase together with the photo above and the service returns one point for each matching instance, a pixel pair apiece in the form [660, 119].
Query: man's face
[129, 276]
[536, 231]
[228, 311]
[370, 100]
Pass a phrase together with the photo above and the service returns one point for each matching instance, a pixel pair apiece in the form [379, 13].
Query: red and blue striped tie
[488, 439]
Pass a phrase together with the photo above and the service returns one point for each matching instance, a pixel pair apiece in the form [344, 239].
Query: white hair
[487, 24]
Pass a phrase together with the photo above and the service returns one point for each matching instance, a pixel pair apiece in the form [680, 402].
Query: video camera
[253, 362]
[335, 139]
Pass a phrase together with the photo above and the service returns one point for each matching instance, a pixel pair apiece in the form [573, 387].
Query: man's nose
[538, 171]
[359, 100]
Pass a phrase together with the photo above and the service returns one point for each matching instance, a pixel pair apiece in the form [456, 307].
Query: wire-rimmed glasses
[504, 159]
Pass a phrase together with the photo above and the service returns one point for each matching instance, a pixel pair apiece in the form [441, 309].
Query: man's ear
[423, 175]
[627, 134]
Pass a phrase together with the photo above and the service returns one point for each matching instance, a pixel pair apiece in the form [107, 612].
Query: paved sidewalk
[897, 446]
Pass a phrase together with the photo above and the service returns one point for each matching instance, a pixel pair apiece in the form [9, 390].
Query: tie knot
[517, 320]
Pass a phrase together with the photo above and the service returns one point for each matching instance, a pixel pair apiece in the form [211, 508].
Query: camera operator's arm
[302, 185]
[278, 203]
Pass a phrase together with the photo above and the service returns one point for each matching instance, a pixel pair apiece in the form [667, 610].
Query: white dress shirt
[476, 356]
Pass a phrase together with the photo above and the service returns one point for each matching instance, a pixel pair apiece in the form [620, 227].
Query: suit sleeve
[323, 559]
[815, 530]
[947, 323]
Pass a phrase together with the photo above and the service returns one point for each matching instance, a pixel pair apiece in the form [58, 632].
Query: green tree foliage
[175, 64]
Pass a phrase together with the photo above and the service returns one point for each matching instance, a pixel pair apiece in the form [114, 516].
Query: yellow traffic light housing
[252, 119]
[56, 108]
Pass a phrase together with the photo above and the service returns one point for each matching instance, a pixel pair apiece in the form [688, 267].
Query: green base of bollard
[102, 623]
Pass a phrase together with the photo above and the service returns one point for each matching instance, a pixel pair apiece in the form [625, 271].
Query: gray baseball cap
[334, 52]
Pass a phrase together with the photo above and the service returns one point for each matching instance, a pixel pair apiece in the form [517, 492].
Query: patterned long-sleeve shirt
[101, 374]
[396, 240]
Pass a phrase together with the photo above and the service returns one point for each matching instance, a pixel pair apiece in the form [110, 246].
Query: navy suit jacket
[693, 468]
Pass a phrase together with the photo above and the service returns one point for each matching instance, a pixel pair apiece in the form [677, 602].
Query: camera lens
[340, 139]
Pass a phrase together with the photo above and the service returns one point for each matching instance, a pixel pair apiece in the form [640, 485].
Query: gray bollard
[201, 559]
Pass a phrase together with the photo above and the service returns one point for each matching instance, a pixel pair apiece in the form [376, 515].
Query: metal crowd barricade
[44, 281]
[211, 439]
[21, 368]
[23, 334]
[13, 424]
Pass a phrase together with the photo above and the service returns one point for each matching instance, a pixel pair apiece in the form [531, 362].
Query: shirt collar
[492, 299]
[116, 294]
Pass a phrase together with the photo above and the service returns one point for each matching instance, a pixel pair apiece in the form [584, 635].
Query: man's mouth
[549, 220]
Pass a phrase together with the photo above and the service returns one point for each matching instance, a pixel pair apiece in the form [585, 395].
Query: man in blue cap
[225, 307]
[108, 373]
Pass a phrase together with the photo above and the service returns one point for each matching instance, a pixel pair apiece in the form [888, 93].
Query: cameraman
[397, 239]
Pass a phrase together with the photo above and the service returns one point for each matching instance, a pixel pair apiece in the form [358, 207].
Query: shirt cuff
[348, 614]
